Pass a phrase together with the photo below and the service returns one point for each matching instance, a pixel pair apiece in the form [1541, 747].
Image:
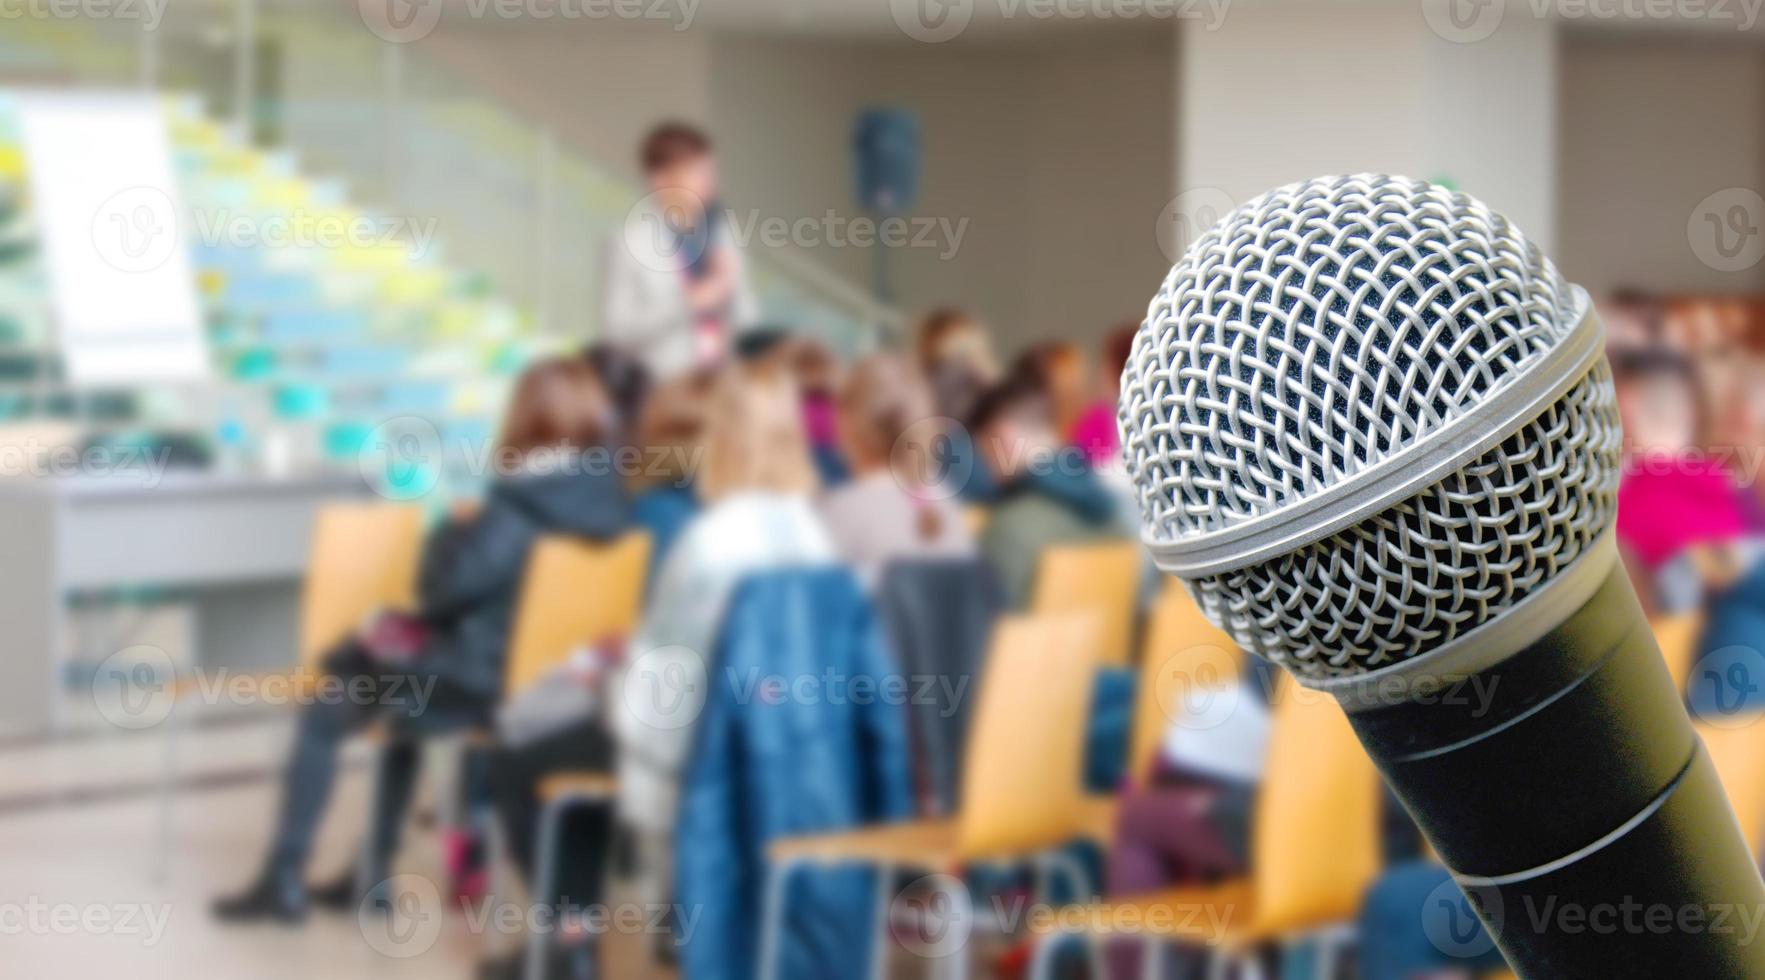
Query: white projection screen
[108, 212]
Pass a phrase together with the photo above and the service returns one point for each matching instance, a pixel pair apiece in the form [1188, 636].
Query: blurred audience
[441, 669]
[675, 291]
[886, 513]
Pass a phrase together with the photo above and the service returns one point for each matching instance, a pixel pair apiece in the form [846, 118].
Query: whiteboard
[122, 287]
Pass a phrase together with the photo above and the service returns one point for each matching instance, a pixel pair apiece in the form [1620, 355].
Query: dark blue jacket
[471, 570]
[780, 751]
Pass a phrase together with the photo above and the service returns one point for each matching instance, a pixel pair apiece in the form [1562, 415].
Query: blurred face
[1660, 414]
[689, 183]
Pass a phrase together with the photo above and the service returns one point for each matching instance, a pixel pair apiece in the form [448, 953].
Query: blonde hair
[754, 438]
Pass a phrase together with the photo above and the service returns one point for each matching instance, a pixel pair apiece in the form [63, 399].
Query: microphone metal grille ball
[1365, 416]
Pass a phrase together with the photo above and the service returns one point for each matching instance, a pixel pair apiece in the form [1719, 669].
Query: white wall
[1286, 91]
[1058, 157]
[1650, 126]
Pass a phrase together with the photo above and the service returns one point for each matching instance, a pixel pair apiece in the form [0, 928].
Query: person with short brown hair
[675, 292]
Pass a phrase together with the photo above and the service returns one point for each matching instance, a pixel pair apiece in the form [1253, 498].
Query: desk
[237, 544]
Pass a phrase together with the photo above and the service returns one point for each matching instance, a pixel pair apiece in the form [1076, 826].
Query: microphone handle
[1568, 793]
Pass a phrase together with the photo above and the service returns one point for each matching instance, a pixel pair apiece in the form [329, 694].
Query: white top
[643, 297]
[664, 683]
[874, 522]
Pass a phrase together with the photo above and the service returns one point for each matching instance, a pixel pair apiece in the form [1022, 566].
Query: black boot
[278, 895]
[341, 894]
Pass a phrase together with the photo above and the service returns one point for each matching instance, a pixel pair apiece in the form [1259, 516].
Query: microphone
[1374, 431]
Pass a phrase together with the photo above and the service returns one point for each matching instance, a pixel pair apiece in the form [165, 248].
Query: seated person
[670, 431]
[1095, 432]
[884, 513]
[1047, 494]
[442, 669]
[954, 355]
[758, 486]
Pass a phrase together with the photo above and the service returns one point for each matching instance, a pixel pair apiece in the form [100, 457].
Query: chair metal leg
[545, 874]
[881, 935]
[771, 910]
[1042, 963]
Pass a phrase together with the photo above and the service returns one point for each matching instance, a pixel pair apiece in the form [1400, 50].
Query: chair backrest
[573, 592]
[1738, 752]
[1022, 771]
[1315, 844]
[1102, 578]
[1184, 653]
[1677, 636]
[363, 557]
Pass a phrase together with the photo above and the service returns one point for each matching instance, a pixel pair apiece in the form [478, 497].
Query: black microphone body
[1568, 793]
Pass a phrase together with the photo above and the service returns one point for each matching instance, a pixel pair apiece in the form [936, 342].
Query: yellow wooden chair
[1677, 636]
[1102, 578]
[1183, 655]
[1738, 752]
[1021, 792]
[572, 593]
[363, 558]
[1314, 847]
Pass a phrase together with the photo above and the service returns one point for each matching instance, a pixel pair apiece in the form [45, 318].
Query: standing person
[676, 293]
[453, 648]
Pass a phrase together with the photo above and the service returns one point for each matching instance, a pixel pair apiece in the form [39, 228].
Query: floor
[94, 881]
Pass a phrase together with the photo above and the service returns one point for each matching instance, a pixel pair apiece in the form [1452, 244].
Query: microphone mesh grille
[1318, 329]
[1442, 562]
[1328, 325]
